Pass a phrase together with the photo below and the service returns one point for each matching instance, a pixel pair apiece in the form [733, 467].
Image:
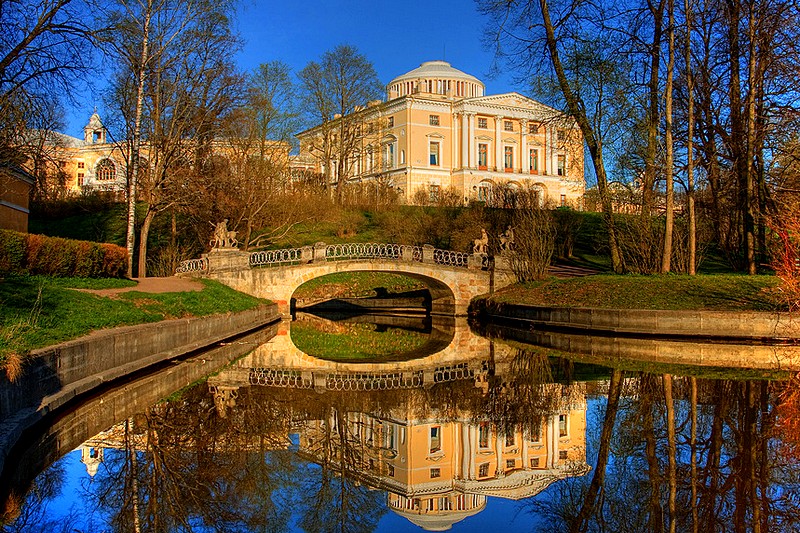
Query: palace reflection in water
[480, 434]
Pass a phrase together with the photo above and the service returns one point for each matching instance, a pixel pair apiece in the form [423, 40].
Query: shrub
[22, 253]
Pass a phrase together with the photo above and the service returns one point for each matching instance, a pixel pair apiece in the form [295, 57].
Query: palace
[438, 130]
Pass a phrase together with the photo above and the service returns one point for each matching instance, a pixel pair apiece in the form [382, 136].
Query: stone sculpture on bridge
[481, 246]
[223, 238]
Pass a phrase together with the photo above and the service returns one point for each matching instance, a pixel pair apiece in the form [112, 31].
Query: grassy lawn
[671, 292]
[357, 285]
[355, 342]
[38, 311]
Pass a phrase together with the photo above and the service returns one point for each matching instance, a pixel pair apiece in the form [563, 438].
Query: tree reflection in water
[664, 452]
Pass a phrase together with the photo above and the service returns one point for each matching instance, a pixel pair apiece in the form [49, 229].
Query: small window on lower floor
[483, 470]
[436, 472]
[562, 455]
[511, 464]
[534, 462]
[390, 470]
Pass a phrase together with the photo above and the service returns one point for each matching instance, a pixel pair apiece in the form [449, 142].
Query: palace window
[436, 472]
[510, 440]
[562, 426]
[436, 439]
[434, 154]
[390, 122]
[534, 160]
[508, 158]
[389, 156]
[561, 135]
[81, 164]
[562, 455]
[511, 464]
[533, 127]
[534, 462]
[483, 435]
[483, 156]
[433, 120]
[483, 470]
[106, 171]
[562, 165]
[390, 470]
[482, 123]
[508, 125]
[402, 157]
[80, 179]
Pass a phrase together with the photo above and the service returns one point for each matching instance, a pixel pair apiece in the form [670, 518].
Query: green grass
[670, 292]
[38, 311]
[357, 285]
[355, 342]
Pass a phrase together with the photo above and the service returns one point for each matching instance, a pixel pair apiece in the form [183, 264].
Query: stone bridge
[453, 278]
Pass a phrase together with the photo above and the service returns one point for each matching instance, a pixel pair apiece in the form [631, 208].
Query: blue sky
[396, 37]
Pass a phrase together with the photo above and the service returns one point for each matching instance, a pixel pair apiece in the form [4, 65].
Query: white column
[498, 143]
[552, 441]
[473, 445]
[525, 455]
[498, 453]
[524, 153]
[464, 141]
[466, 451]
[454, 137]
[472, 161]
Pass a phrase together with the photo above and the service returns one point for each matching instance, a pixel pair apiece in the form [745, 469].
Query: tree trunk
[133, 168]
[598, 478]
[691, 267]
[144, 231]
[577, 110]
[648, 185]
[672, 452]
[666, 258]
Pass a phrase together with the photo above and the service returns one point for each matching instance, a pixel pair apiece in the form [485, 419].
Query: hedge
[22, 253]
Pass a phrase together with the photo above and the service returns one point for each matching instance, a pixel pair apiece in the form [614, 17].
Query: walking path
[154, 285]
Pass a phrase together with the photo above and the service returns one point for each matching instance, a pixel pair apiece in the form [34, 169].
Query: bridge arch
[454, 278]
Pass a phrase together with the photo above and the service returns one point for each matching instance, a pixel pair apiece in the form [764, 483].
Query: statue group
[481, 246]
[222, 237]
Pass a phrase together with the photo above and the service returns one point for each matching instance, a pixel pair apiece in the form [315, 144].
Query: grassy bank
[39, 311]
[357, 285]
[669, 292]
[355, 342]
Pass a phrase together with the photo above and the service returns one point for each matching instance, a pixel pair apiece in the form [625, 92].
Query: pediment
[512, 101]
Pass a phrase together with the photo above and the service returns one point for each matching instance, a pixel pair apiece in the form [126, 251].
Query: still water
[443, 429]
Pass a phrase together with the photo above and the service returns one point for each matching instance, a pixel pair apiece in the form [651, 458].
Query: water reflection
[479, 435]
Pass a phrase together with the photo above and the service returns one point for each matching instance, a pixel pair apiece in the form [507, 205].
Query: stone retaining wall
[745, 325]
[53, 376]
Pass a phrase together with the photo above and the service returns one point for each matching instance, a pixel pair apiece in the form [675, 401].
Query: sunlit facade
[438, 130]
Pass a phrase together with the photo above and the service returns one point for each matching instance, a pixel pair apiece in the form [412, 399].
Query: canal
[346, 422]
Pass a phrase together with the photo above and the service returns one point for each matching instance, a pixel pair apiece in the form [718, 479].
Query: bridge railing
[367, 250]
[233, 259]
[192, 265]
[282, 257]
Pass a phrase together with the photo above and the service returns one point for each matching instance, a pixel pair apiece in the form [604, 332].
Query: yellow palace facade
[438, 130]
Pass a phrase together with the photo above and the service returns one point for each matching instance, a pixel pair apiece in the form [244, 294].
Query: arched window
[105, 171]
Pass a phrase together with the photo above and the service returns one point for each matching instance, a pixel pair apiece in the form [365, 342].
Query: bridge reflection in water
[437, 466]
[433, 433]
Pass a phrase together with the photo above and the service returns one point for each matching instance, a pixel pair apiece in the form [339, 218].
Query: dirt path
[154, 285]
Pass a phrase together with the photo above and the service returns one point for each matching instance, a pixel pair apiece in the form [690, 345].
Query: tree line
[691, 105]
[198, 137]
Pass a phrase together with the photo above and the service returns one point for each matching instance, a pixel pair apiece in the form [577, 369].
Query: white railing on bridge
[192, 265]
[233, 259]
[284, 256]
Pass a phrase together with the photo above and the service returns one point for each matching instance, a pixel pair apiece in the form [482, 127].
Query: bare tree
[333, 90]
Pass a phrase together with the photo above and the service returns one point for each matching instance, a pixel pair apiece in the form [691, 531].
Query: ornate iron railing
[368, 250]
[192, 265]
[284, 256]
[450, 258]
[349, 252]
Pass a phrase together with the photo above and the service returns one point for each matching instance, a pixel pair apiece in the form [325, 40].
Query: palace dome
[435, 77]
